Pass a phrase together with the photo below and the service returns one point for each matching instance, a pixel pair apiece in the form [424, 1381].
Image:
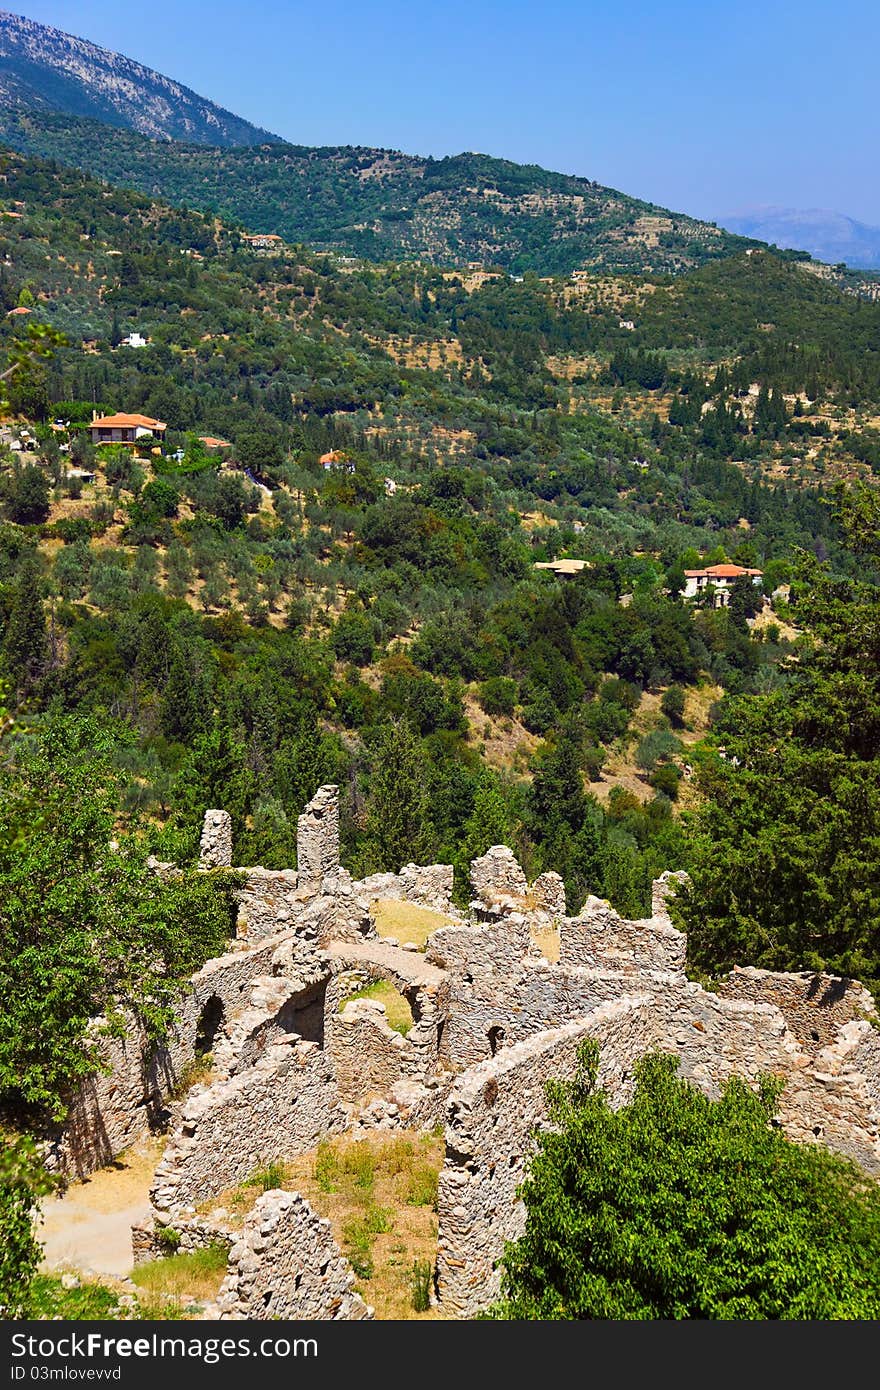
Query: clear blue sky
[703, 107]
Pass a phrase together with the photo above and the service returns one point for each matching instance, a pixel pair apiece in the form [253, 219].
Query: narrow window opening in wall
[818, 1129]
[323, 1270]
[211, 1020]
[814, 1035]
[267, 1298]
[297, 1281]
[441, 1029]
[496, 1038]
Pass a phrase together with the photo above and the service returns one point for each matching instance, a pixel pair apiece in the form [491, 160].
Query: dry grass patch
[180, 1284]
[405, 921]
[397, 1010]
[380, 1195]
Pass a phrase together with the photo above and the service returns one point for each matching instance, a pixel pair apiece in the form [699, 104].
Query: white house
[722, 579]
[124, 429]
[134, 340]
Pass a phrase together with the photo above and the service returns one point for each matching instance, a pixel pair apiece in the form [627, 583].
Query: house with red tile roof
[125, 429]
[721, 578]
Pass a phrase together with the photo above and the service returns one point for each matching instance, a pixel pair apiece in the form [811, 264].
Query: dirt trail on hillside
[88, 1228]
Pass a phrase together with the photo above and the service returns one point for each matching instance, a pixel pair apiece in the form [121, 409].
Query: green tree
[397, 821]
[182, 708]
[25, 643]
[26, 496]
[672, 705]
[564, 821]
[23, 1180]
[84, 926]
[786, 874]
[677, 1206]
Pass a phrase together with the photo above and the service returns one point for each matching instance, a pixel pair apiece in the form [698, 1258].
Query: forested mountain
[42, 68]
[325, 571]
[382, 204]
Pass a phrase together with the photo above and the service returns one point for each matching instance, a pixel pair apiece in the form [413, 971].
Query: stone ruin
[493, 1020]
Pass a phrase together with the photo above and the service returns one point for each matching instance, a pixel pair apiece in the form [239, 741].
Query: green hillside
[385, 205]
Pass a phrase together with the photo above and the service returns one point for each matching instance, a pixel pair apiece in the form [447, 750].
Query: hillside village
[427, 654]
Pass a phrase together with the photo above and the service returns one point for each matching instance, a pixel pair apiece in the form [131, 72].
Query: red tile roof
[211, 443]
[720, 572]
[127, 422]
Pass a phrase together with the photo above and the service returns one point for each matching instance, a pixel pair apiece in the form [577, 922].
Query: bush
[498, 695]
[422, 1275]
[677, 1206]
[672, 705]
[665, 779]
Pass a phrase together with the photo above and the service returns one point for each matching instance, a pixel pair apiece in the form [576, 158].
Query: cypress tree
[25, 642]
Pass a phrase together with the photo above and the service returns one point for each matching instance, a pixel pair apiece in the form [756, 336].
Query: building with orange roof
[721, 578]
[125, 429]
[211, 442]
[16, 313]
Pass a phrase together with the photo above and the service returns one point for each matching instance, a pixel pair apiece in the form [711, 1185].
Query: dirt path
[88, 1228]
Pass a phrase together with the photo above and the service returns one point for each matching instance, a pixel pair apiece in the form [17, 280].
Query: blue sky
[702, 107]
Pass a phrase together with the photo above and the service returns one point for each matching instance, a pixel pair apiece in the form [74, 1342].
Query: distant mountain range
[828, 236]
[42, 68]
[58, 94]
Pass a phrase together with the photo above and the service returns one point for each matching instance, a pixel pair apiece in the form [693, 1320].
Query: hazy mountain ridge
[44, 68]
[828, 236]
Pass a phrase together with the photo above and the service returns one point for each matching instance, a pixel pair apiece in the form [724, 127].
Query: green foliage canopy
[677, 1206]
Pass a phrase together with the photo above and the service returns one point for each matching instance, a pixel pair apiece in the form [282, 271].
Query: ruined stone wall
[423, 985]
[492, 1112]
[368, 1056]
[815, 1006]
[832, 1099]
[215, 847]
[498, 880]
[286, 1264]
[497, 947]
[317, 839]
[187, 1234]
[119, 1106]
[488, 1012]
[427, 885]
[602, 940]
[277, 1109]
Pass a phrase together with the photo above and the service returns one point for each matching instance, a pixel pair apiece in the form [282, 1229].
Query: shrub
[678, 1206]
[498, 695]
[421, 1277]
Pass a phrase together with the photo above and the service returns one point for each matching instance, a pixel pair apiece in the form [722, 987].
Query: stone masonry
[493, 1021]
[215, 849]
[286, 1264]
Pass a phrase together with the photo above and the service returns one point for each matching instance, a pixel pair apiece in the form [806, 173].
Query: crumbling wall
[275, 1110]
[369, 1057]
[427, 885]
[498, 880]
[814, 1005]
[123, 1103]
[155, 1240]
[215, 847]
[317, 840]
[600, 939]
[488, 1012]
[422, 984]
[496, 947]
[286, 1264]
[492, 1112]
